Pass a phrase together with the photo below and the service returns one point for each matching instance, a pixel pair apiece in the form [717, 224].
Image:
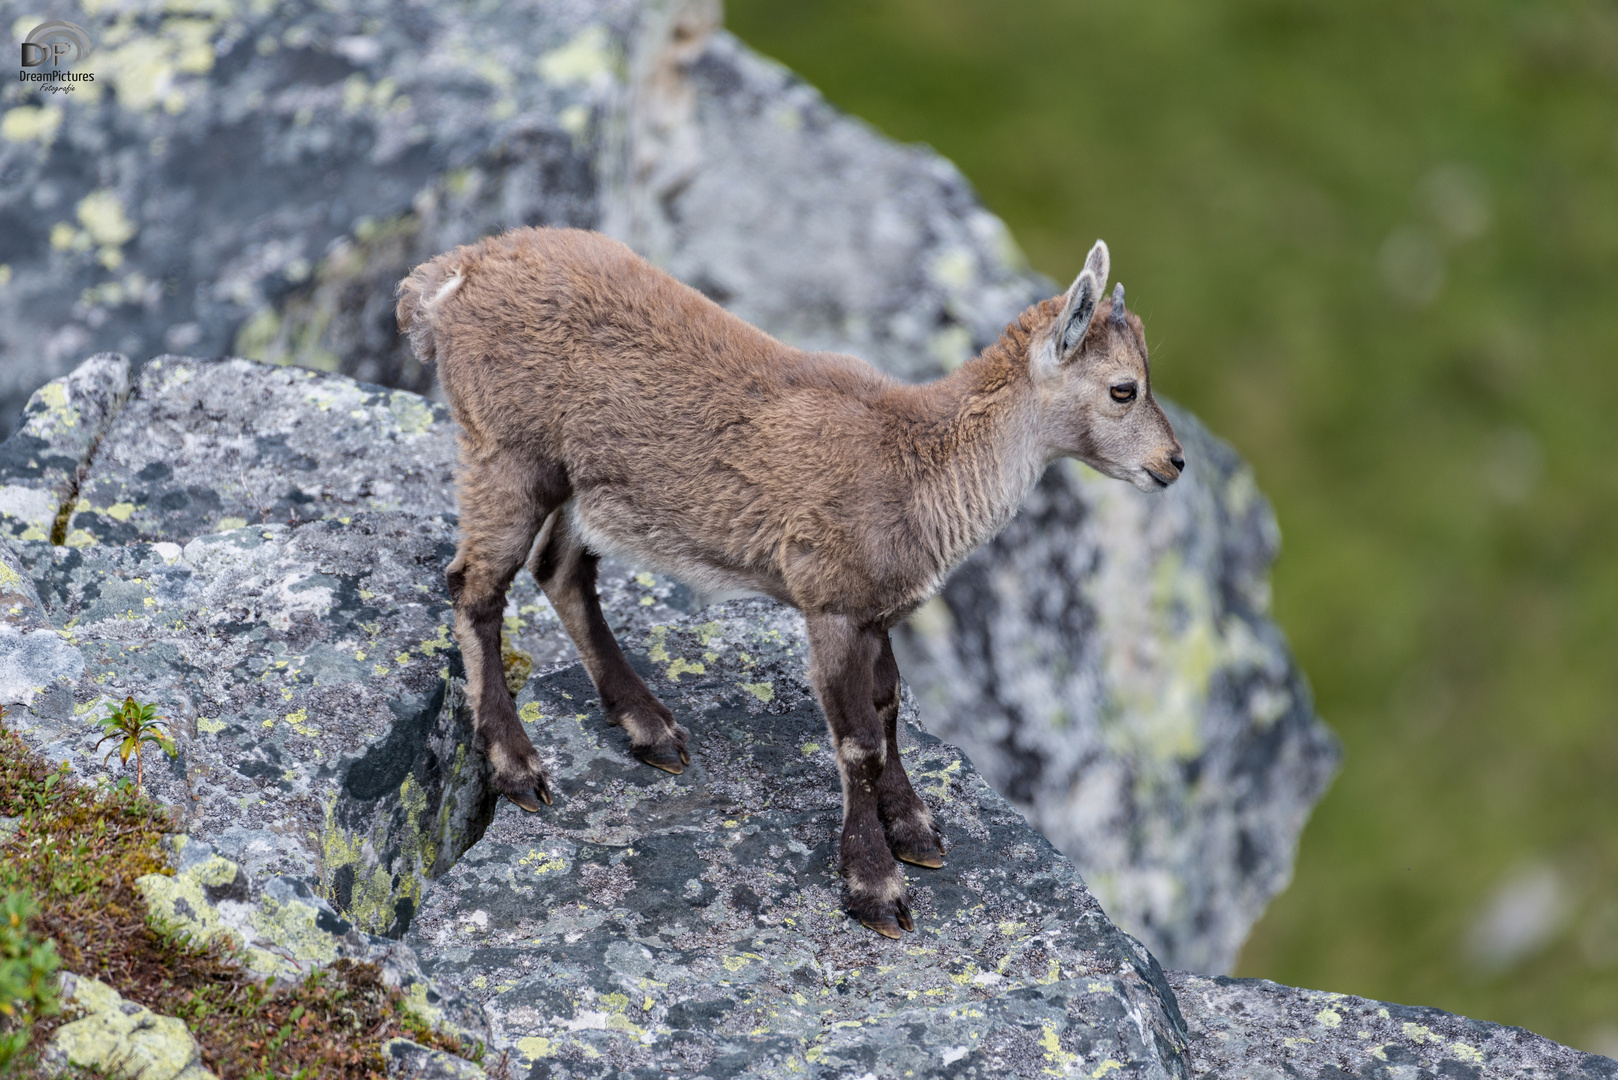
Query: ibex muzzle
[605, 407]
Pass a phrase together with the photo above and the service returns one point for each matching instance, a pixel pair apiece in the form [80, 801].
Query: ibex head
[1095, 385]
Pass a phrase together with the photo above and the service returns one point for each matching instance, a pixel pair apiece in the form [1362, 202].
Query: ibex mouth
[1158, 478]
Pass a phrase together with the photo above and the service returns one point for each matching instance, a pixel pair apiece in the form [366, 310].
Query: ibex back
[607, 408]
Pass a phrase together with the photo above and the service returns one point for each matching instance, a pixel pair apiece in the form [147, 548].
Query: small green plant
[137, 725]
[27, 964]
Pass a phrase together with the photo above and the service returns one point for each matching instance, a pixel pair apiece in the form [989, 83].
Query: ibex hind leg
[502, 505]
[841, 660]
[912, 834]
[567, 572]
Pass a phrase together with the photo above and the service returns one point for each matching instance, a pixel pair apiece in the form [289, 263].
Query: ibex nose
[1177, 461]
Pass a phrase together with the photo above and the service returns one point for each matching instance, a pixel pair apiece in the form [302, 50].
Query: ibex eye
[1123, 392]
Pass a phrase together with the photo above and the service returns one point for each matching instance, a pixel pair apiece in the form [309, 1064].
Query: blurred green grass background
[1375, 245]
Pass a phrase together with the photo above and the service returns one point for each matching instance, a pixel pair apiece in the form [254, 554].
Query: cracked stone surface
[693, 924]
[284, 608]
[304, 662]
[1259, 1030]
[1164, 740]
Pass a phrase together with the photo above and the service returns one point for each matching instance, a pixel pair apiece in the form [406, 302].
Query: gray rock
[118, 1037]
[306, 669]
[176, 214]
[693, 924]
[411, 1061]
[213, 170]
[1258, 1030]
[686, 925]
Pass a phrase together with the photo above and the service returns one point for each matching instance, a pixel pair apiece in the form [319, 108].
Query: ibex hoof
[526, 800]
[886, 917]
[529, 798]
[932, 860]
[665, 758]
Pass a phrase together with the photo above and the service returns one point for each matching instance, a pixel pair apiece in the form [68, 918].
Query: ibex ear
[1080, 304]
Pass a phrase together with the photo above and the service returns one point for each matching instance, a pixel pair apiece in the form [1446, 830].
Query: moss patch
[80, 850]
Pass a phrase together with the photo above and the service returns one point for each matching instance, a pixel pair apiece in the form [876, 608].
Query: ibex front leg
[912, 834]
[502, 505]
[842, 660]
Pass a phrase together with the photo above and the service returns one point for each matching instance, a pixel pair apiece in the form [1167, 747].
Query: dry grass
[78, 851]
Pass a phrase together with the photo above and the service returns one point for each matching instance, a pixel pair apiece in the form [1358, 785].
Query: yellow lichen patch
[104, 221]
[1467, 1053]
[584, 59]
[943, 776]
[1105, 1067]
[371, 900]
[645, 580]
[65, 237]
[764, 691]
[298, 720]
[120, 511]
[542, 862]
[516, 664]
[30, 123]
[681, 666]
[1329, 1017]
[734, 964]
[228, 523]
[411, 413]
[144, 68]
[534, 1047]
[431, 645]
[1050, 1040]
[1419, 1033]
[257, 334]
[180, 903]
[809, 747]
[209, 726]
[530, 713]
[656, 650]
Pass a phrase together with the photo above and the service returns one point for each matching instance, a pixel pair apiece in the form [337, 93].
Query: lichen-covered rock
[306, 670]
[173, 212]
[121, 1038]
[1110, 663]
[693, 924]
[409, 1060]
[223, 148]
[686, 925]
[61, 428]
[280, 928]
[1257, 1030]
[210, 445]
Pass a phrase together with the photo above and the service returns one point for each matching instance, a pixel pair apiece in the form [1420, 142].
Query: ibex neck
[987, 453]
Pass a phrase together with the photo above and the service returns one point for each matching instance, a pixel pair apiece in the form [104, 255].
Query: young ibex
[607, 408]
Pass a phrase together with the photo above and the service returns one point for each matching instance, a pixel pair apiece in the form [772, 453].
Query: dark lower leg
[479, 606]
[841, 659]
[503, 502]
[911, 832]
[567, 573]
